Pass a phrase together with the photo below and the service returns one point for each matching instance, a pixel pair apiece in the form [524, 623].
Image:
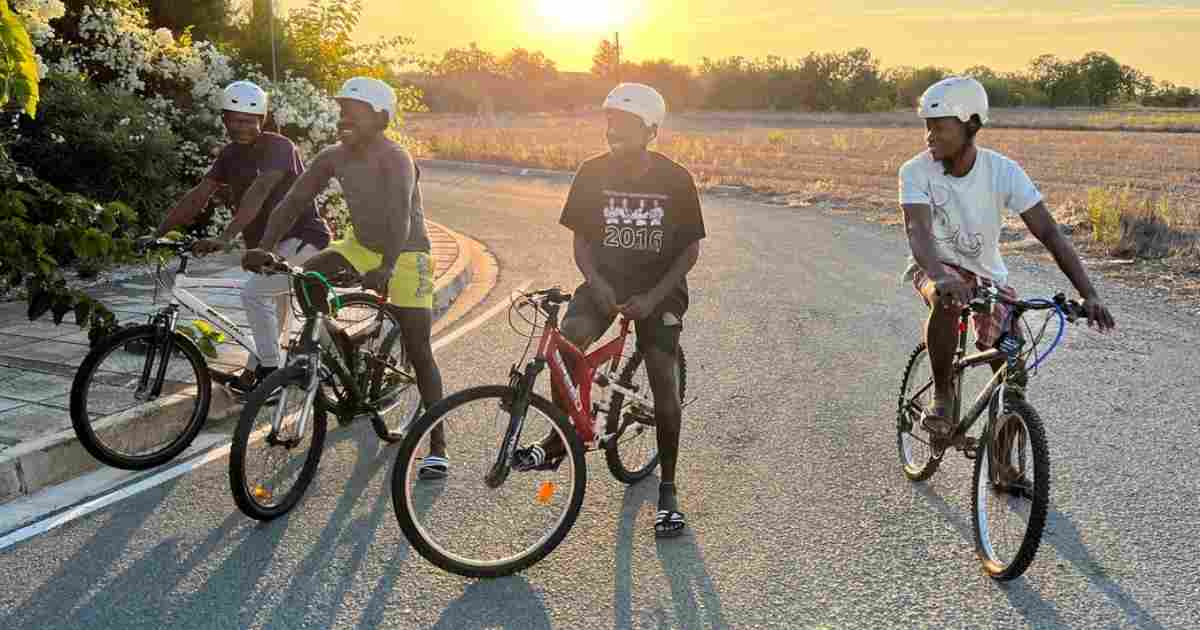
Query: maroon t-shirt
[238, 165]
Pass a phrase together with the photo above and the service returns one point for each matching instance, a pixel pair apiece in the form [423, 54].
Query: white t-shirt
[968, 212]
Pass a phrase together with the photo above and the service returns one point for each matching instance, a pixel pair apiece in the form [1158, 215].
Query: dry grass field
[1126, 194]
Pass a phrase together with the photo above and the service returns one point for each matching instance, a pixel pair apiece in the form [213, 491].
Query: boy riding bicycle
[258, 167]
[954, 197]
[637, 227]
[387, 242]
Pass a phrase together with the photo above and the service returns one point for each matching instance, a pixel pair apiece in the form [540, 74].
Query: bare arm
[298, 199]
[189, 207]
[252, 204]
[918, 225]
[402, 180]
[680, 267]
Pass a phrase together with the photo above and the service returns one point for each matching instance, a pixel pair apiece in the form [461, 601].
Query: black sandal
[668, 524]
[433, 467]
[534, 458]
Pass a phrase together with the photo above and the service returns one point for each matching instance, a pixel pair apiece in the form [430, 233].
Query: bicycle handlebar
[984, 297]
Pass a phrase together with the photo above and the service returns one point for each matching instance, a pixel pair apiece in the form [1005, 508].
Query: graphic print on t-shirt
[946, 231]
[634, 221]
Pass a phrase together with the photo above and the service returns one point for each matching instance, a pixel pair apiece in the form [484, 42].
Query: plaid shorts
[987, 326]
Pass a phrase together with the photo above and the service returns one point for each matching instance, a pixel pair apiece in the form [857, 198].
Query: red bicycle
[488, 519]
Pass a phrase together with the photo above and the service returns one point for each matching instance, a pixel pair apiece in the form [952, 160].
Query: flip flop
[668, 524]
[433, 467]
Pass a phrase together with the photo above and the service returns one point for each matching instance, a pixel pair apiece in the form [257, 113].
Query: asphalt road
[799, 514]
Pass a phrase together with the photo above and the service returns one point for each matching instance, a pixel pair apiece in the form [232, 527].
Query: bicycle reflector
[546, 492]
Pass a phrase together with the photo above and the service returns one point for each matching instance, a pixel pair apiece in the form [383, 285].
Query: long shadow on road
[309, 594]
[1068, 543]
[508, 602]
[81, 593]
[696, 601]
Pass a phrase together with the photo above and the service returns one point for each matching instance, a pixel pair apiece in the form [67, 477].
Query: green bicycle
[354, 372]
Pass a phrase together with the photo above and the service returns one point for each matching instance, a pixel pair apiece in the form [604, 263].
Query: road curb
[49, 460]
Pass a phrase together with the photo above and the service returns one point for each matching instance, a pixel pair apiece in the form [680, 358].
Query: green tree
[18, 66]
[208, 19]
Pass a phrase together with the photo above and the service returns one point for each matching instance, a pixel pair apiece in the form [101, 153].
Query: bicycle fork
[313, 358]
[520, 386]
[163, 338]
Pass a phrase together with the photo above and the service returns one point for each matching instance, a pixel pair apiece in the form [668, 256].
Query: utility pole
[271, 21]
[618, 45]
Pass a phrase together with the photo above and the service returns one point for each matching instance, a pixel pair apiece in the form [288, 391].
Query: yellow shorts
[411, 285]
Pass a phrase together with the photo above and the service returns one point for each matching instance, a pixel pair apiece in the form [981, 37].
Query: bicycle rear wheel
[461, 524]
[269, 469]
[391, 380]
[111, 413]
[1011, 491]
[394, 387]
[633, 453]
[917, 456]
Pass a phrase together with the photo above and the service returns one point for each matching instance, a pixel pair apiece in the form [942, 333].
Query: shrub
[102, 144]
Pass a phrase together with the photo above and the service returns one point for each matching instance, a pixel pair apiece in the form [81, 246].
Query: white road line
[182, 468]
[478, 321]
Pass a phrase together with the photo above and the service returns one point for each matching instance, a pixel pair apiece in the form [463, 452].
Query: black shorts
[660, 330]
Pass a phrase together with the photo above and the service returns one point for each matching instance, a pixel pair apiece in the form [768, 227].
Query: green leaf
[18, 57]
[40, 301]
[83, 311]
[208, 348]
[204, 327]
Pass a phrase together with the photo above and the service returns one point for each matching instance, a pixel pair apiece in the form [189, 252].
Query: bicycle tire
[407, 451]
[243, 495]
[612, 453]
[1032, 538]
[402, 417]
[905, 424]
[86, 375]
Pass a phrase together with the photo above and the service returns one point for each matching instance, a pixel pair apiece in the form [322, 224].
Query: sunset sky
[1156, 36]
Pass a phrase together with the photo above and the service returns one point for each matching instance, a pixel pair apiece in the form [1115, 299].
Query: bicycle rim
[270, 468]
[116, 422]
[1011, 493]
[460, 524]
[917, 457]
[634, 455]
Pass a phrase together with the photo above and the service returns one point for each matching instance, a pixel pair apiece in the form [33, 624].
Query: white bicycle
[141, 395]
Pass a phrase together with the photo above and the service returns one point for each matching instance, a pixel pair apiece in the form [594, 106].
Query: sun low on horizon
[1146, 35]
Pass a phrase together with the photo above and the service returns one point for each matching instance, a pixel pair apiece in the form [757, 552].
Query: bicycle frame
[180, 295]
[589, 368]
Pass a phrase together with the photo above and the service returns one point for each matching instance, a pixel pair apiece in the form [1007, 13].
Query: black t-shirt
[238, 165]
[637, 227]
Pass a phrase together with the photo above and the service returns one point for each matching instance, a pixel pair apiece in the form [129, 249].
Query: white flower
[164, 37]
[123, 121]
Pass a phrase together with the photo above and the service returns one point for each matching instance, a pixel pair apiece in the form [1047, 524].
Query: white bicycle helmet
[960, 97]
[244, 97]
[379, 95]
[640, 100]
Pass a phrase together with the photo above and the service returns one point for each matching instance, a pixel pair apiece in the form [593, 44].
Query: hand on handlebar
[1098, 315]
[953, 290]
[255, 260]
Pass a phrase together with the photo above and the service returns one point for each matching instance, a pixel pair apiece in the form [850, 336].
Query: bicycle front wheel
[461, 524]
[1011, 491]
[111, 409]
[271, 465]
